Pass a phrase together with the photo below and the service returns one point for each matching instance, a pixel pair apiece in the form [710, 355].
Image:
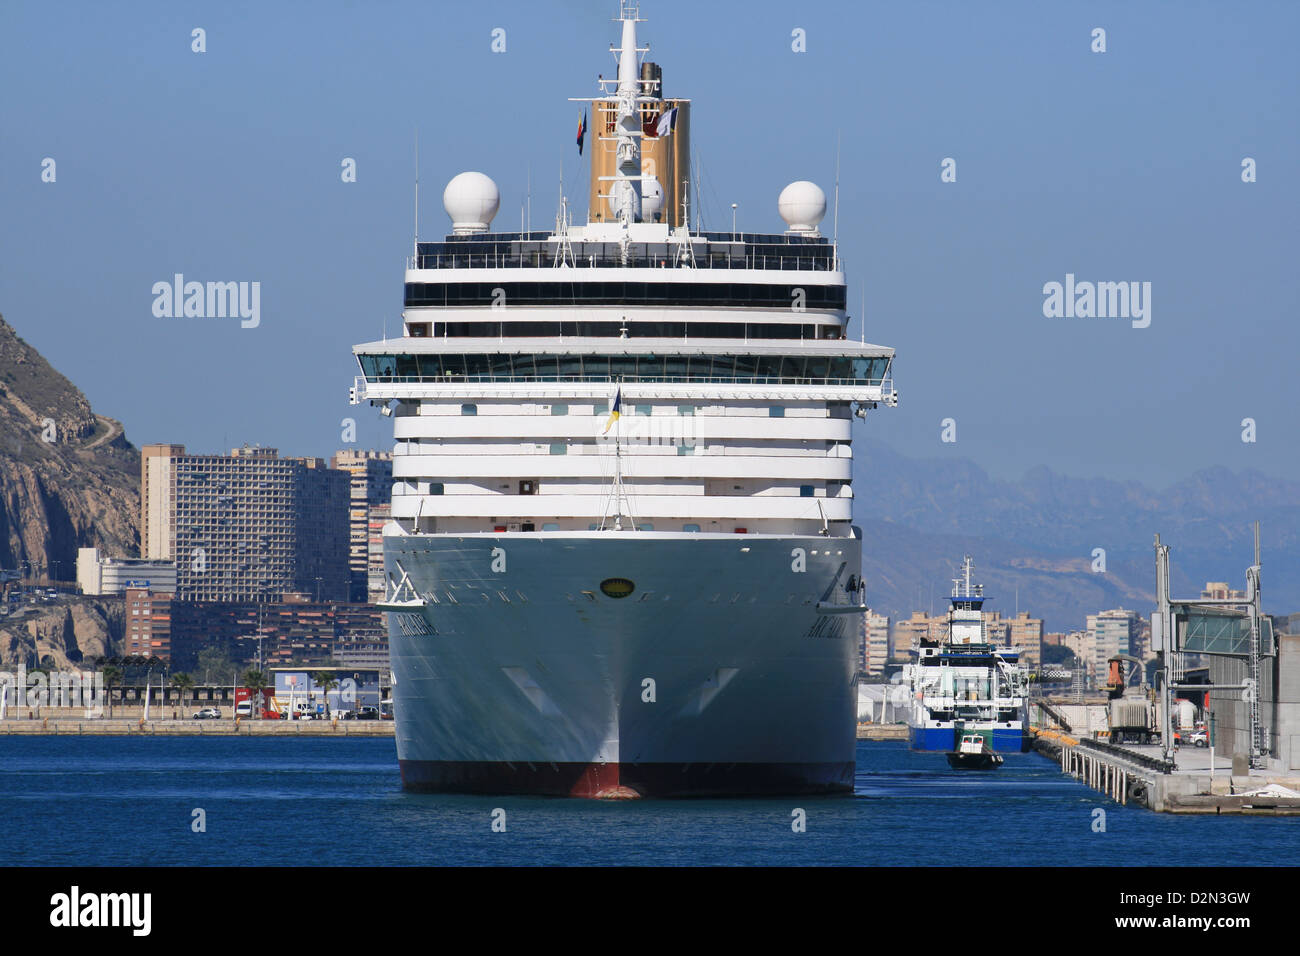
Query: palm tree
[256, 682]
[112, 674]
[184, 682]
[326, 682]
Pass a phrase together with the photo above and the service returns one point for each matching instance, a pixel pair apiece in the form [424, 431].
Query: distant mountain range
[1033, 539]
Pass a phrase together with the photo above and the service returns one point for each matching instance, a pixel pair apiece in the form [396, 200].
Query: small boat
[974, 754]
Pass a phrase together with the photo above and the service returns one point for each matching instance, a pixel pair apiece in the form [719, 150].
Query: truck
[1133, 716]
[1133, 720]
[245, 705]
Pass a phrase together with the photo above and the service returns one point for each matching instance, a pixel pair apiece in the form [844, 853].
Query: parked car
[368, 713]
[1199, 738]
[243, 709]
[208, 713]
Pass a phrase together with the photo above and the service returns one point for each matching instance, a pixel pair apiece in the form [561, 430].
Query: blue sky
[1123, 165]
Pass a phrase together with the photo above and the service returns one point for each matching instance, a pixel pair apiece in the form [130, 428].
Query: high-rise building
[147, 631]
[1083, 645]
[375, 585]
[1113, 632]
[873, 651]
[371, 478]
[906, 636]
[1025, 633]
[248, 526]
[1220, 591]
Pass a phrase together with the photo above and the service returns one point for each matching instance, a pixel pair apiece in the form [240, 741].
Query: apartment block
[907, 635]
[1113, 632]
[370, 489]
[379, 516]
[147, 631]
[248, 526]
[1025, 634]
[875, 649]
[1083, 645]
[1220, 591]
[297, 630]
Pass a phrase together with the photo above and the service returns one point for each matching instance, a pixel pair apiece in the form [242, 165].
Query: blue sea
[131, 801]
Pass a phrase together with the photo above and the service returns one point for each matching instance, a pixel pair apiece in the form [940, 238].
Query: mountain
[68, 476]
[1033, 539]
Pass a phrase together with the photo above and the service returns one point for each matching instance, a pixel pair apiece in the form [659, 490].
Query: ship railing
[547, 260]
[493, 379]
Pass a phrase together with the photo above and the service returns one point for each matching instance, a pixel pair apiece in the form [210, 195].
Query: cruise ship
[621, 560]
[964, 687]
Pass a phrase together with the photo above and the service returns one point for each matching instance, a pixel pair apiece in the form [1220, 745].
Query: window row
[757, 369]
[630, 329]
[650, 294]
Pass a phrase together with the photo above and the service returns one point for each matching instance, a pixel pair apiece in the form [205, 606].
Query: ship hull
[716, 675]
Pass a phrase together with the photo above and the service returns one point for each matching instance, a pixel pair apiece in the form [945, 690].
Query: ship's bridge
[862, 370]
[714, 435]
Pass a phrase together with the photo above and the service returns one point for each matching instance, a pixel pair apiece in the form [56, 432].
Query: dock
[870, 731]
[138, 727]
[1140, 774]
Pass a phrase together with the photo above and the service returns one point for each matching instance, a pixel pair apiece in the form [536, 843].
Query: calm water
[128, 801]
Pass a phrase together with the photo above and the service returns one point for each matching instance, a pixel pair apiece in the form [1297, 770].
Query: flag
[582, 130]
[667, 123]
[614, 412]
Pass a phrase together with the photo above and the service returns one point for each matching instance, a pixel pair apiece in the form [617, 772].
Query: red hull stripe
[627, 780]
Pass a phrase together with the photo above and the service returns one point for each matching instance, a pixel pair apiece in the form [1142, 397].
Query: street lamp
[733, 221]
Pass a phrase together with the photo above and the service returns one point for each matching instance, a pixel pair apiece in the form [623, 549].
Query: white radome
[652, 199]
[471, 200]
[802, 205]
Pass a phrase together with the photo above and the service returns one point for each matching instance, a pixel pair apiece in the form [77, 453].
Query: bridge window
[469, 409]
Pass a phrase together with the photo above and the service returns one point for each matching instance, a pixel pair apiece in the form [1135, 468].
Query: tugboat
[963, 685]
[974, 754]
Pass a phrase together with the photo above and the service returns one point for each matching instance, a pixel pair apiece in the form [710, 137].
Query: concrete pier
[869, 731]
[197, 728]
[1139, 774]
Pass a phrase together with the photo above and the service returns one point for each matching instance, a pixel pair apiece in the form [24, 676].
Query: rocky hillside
[68, 477]
[62, 635]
